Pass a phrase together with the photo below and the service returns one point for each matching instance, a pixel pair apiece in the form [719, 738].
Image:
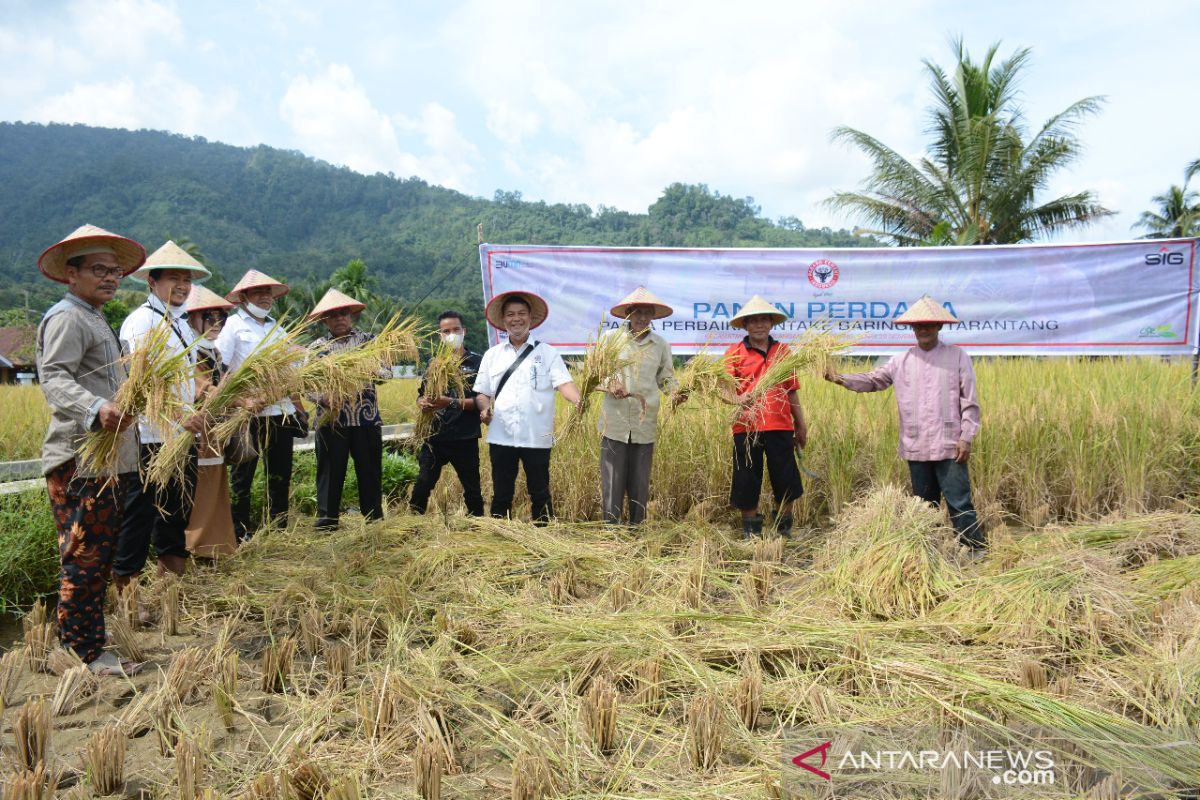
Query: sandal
[108, 665]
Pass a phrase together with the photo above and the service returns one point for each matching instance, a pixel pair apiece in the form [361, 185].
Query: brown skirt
[210, 529]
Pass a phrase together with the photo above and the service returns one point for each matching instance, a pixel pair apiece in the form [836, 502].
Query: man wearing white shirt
[255, 293]
[159, 513]
[515, 396]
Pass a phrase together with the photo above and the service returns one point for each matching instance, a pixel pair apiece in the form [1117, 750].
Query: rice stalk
[703, 730]
[35, 617]
[377, 709]
[810, 352]
[339, 661]
[264, 787]
[1033, 675]
[139, 715]
[189, 768]
[703, 377]
[308, 780]
[224, 690]
[74, 687]
[12, 666]
[276, 665]
[598, 712]
[312, 629]
[129, 604]
[531, 779]
[339, 376]
[29, 784]
[748, 696]
[170, 608]
[124, 639]
[347, 788]
[62, 659]
[362, 634]
[185, 673]
[167, 724]
[427, 770]
[39, 639]
[649, 680]
[104, 758]
[443, 378]
[432, 726]
[32, 733]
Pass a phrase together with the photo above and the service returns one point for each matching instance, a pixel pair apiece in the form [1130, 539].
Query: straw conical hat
[332, 301]
[641, 296]
[925, 310]
[86, 240]
[754, 306]
[538, 310]
[253, 279]
[172, 256]
[202, 299]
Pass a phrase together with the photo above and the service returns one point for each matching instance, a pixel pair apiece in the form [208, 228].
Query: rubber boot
[752, 526]
[783, 525]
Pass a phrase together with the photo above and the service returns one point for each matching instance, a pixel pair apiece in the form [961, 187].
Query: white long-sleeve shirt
[241, 334]
[140, 322]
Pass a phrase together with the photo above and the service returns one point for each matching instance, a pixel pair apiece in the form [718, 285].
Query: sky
[606, 103]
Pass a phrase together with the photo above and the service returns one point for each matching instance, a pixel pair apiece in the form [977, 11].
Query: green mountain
[298, 218]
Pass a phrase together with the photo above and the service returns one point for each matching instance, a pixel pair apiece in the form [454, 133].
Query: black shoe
[783, 525]
[751, 527]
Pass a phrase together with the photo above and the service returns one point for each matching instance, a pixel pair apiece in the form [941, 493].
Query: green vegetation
[299, 219]
[1176, 211]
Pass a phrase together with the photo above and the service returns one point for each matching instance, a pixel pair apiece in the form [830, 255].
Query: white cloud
[332, 117]
[157, 98]
[127, 29]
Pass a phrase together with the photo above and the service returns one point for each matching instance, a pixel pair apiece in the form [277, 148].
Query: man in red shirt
[770, 430]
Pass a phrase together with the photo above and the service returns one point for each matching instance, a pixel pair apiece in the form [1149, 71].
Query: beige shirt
[650, 373]
[79, 367]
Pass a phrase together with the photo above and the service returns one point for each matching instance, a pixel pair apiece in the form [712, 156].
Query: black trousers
[463, 455]
[505, 461]
[153, 514]
[749, 452]
[336, 445]
[274, 445]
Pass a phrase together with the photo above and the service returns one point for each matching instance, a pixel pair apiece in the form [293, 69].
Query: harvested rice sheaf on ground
[690, 699]
[888, 557]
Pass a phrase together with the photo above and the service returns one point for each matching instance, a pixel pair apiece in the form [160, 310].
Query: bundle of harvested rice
[811, 352]
[1067, 599]
[887, 557]
[1158, 580]
[185, 673]
[604, 359]
[224, 689]
[125, 639]
[427, 770]
[104, 758]
[39, 639]
[748, 695]
[443, 377]
[531, 778]
[151, 390]
[29, 784]
[308, 780]
[337, 377]
[62, 659]
[277, 665]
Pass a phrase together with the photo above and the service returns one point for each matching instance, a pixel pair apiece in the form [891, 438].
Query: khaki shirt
[79, 366]
[650, 373]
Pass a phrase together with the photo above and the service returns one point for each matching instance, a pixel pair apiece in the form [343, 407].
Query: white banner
[1091, 299]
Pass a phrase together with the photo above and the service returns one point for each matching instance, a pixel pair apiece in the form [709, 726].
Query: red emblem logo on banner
[823, 273]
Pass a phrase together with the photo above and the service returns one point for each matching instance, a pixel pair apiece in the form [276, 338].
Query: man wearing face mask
[80, 370]
[210, 528]
[159, 513]
[270, 431]
[455, 440]
[357, 432]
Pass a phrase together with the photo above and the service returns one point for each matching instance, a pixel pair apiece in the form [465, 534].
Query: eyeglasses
[102, 272]
[213, 317]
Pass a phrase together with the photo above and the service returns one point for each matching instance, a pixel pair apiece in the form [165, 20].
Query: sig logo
[823, 273]
[1164, 256]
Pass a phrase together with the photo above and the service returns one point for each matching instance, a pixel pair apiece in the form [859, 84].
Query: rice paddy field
[440, 656]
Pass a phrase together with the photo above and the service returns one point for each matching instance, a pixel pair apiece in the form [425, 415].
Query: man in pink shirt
[939, 414]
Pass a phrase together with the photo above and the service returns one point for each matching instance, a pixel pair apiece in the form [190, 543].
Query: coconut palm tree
[982, 173]
[1177, 215]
